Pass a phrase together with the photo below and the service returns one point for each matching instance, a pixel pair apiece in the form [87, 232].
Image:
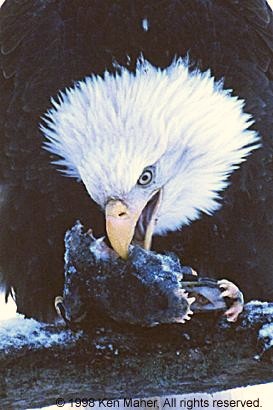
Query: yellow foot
[231, 291]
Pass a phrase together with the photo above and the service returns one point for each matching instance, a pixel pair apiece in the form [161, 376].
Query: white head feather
[108, 129]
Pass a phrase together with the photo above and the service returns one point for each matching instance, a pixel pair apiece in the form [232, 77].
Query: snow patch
[265, 307]
[7, 310]
[18, 332]
[266, 334]
[145, 24]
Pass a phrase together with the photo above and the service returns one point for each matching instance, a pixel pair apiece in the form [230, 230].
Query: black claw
[61, 309]
[187, 274]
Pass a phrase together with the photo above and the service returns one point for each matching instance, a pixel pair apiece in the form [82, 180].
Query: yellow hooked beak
[121, 223]
[120, 226]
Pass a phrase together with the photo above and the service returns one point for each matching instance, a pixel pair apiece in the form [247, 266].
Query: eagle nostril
[122, 214]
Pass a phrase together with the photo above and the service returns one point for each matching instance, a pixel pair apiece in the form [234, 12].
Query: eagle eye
[146, 177]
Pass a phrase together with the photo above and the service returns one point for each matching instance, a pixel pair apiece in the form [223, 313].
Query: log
[110, 355]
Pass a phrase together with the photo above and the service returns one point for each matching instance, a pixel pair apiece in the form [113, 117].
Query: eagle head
[154, 147]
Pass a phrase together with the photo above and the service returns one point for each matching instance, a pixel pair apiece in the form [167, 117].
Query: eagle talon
[190, 300]
[59, 307]
[193, 272]
[231, 291]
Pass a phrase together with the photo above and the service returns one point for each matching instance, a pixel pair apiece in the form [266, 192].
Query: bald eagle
[152, 108]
